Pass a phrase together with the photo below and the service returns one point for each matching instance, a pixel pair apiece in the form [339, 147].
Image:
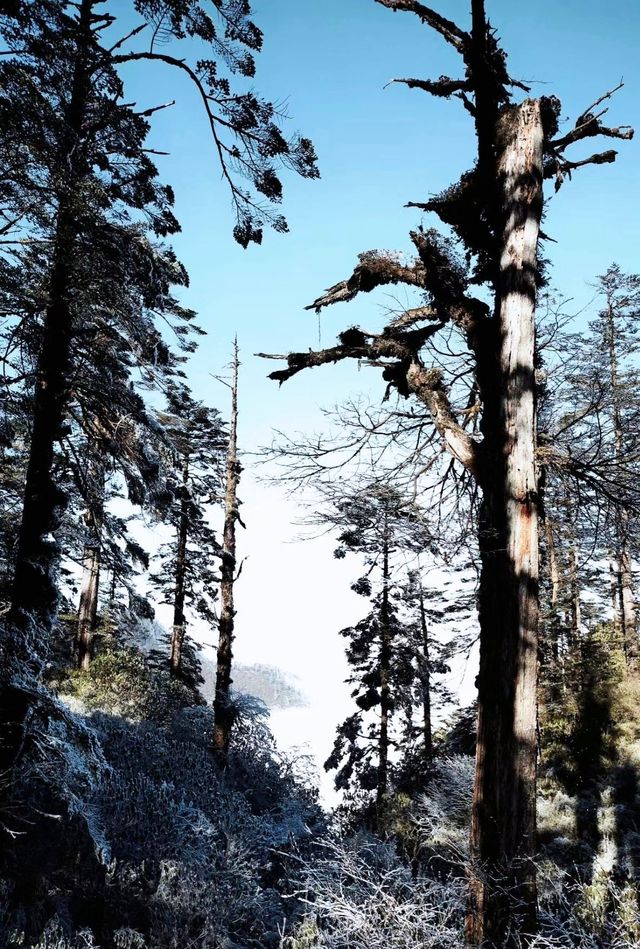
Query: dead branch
[588, 125]
[410, 318]
[446, 28]
[428, 386]
[374, 270]
[444, 86]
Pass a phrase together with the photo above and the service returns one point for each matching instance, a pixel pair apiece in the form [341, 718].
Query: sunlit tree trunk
[624, 609]
[627, 604]
[223, 714]
[503, 887]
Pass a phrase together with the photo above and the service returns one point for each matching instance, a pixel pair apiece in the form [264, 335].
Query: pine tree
[86, 152]
[616, 333]
[379, 523]
[187, 573]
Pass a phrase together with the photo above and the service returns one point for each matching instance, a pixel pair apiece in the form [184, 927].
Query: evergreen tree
[380, 524]
[86, 154]
[187, 572]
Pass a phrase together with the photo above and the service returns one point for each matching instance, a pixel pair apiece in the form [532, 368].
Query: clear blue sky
[377, 149]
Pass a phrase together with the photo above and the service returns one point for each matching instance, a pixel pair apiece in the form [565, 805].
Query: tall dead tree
[223, 711]
[495, 211]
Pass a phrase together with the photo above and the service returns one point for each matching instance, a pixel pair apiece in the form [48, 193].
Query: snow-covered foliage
[358, 893]
[182, 855]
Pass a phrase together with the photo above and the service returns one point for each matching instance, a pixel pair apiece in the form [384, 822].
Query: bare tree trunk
[503, 885]
[554, 575]
[575, 624]
[385, 684]
[425, 682]
[627, 605]
[88, 608]
[554, 580]
[179, 620]
[624, 609]
[223, 715]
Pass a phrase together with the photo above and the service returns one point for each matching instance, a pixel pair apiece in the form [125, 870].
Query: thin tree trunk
[179, 621]
[385, 684]
[554, 580]
[624, 612]
[34, 586]
[223, 714]
[425, 681]
[88, 608]
[627, 605]
[554, 576]
[575, 624]
[503, 885]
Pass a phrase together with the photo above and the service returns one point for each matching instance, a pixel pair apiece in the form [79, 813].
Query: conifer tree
[384, 527]
[188, 563]
[616, 333]
[86, 151]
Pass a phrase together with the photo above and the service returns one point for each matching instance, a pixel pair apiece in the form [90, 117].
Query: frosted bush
[443, 812]
[359, 895]
[199, 854]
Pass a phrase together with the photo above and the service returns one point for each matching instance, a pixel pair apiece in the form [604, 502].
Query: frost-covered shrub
[178, 853]
[443, 812]
[599, 914]
[199, 857]
[358, 893]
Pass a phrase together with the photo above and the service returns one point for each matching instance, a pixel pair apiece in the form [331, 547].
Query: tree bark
[223, 713]
[179, 621]
[34, 590]
[503, 886]
[575, 605]
[554, 631]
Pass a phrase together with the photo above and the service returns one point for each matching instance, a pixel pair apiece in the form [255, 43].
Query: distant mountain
[268, 683]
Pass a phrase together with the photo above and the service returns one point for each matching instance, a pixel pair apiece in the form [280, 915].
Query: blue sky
[377, 148]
